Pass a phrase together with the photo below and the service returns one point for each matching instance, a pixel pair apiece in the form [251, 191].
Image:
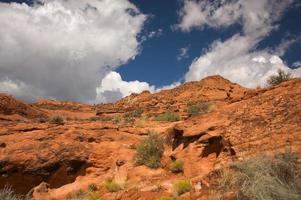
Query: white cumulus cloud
[64, 48]
[113, 88]
[236, 58]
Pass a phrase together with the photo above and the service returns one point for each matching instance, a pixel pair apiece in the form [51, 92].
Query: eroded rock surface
[98, 143]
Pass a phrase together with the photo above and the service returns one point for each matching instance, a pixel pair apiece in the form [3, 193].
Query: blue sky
[100, 51]
[158, 64]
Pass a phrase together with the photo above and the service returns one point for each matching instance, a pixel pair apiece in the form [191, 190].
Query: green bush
[176, 166]
[112, 186]
[182, 186]
[263, 177]
[198, 108]
[168, 117]
[57, 120]
[150, 151]
[279, 77]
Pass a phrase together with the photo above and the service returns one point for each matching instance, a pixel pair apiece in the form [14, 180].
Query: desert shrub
[77, 195]
[134, 113]
[176, 166]
[150, 150]
[263, 177]
[279, 77]
[57, 120]
[166, 198]
[92, 187]
[93, 196]
[94, 119]
[112, 186]
[116, 119]
[8, 194]
[182, 186]
[198, 108]
[168, 117]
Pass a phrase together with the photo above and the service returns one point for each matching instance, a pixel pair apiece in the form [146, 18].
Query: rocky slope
[97, 143]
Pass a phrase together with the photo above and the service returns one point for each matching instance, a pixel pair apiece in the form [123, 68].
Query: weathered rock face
[88, 150]
[62, 105]
[11, 106]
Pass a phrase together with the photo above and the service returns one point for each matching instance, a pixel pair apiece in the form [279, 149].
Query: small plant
[112, 186]
[116, 119]
[80, 194]
[182, 186]
[57, 120]
[166, 198]
[176, 166]
[93, 196]
[134, 113]
[92, 187]
[198, 108]
[279, 77]
[8, 194]
[168, 117]
[150, 151]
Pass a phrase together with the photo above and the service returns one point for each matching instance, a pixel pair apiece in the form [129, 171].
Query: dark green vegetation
[150, 150]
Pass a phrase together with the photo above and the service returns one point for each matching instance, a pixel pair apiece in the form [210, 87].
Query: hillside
[218, 122]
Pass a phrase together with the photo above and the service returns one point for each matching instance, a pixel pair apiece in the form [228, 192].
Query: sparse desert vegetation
[263, 177]
[57, 119]
[112, 186]
[7, 193]
[115, 145]
[168, 116]
[150, 150]
[134, 113]
[279, 77]
[176, 166]
[196, 108]
[92, 187]
[182, 186]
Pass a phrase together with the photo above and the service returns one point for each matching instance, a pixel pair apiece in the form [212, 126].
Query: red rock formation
[69, 157]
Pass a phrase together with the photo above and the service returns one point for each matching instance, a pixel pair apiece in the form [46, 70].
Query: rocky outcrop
[11, 106]
[67, 158]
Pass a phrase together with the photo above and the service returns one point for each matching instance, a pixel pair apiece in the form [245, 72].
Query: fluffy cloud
[236, 58]
[113, 88]
[64, 48]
